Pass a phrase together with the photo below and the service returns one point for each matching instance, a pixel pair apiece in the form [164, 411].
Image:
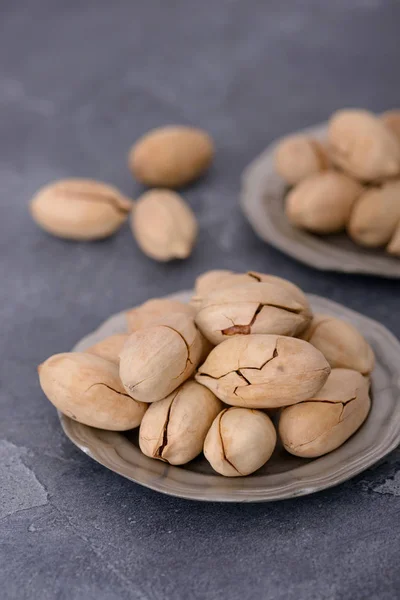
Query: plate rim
[289, 490]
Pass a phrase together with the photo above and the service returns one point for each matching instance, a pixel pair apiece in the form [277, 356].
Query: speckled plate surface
[284, 476]
[262, 201]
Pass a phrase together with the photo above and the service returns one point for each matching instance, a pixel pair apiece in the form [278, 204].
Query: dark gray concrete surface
[79, 82]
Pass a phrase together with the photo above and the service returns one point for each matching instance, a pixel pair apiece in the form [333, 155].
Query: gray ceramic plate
[262, 201]
[284, 476]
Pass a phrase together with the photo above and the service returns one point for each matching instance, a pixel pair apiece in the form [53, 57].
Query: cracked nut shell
[239, 442]
[174, 429]
[157, 359]
[171, 156]
[322, 203]
[263, 371]
[327, 420]
[299, 156]
[341, 344]
[256, 307]
[87, 388]
[153, 310]
[164, 225]
[110, 347]
[211, 281]
[80, 209]
[376, 215]
[208, 282]
[363, 146]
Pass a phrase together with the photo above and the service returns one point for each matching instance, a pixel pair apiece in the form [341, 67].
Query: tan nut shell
[251, 308]
[217, 280]
[325, 422]
[87, 389]
[391, 118]
[153, 310]
[361, 144]
[285, 283]
[394, 245]
[263, 371]
[171, 156]
[322, 203]
[80, 209]
[208, 282]
[299, 156]
[376, 215]
[174, 429]
[239, 442]
[157, 359]
[164, 225]
[110, 347]
[341, 344]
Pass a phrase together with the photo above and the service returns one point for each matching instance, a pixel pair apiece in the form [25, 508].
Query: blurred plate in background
[262, 201]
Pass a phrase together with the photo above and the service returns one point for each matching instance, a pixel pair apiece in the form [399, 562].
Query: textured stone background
[79, 81]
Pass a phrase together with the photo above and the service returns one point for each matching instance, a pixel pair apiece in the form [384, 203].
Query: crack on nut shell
[229, 319]
[242, 329]
[113, 390]
[343, 402]
[184, 341]
[96, 197]
[254, 276]
[134, 385]
[242, 376]
[222, 443]
[158, 452]
[295, 311]
[340, 420]
[246, 329]
[237, 330]
[275, 354]
[131, 386]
